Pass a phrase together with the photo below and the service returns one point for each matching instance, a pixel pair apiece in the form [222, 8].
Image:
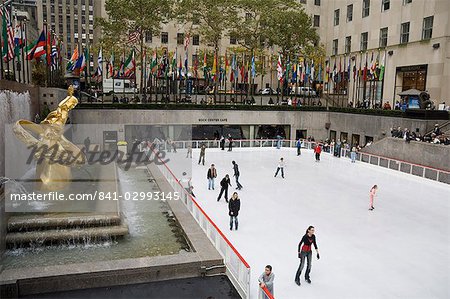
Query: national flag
[48, 47]
[327, 71]
[99, 63]
[72, 61]
[7, 35]
[180, 69]
[39, 48]
[334, 71]
[365, 70]
[111, 65]
[320, 72]
[130, 66]
[313, 70]
[196, 66]
[233, 68]
[54, 55]
[134, 36]
[383, 61]
[174, 65]
[279, 69]
[354, 70]
[214, 67]
[18, 37]
[154, 63]
[372, 66]
[253, 67]
[294, 73]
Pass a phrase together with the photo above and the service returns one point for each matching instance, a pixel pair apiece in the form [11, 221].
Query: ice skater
[234, 205]
[224, 183]
[353, 154]
[373, 192]
[317, 151]
[236, 175]
[266, 281]
[202, 154]
[305, 252]
[230, 143]
[211, 175]
[222, 143]
[281, 165]
[189, 152]
[299, 146]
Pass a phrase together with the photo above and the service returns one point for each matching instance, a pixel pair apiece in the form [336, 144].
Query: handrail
[268, 293]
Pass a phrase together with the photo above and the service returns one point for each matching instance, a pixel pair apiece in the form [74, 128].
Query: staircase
[63, 228]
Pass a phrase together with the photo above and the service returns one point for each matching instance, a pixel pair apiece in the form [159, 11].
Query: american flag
[279, 69]
[10, 33]
[54, 55]
[134, 36]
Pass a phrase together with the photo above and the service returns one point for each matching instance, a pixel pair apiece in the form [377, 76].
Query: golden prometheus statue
[54, 154]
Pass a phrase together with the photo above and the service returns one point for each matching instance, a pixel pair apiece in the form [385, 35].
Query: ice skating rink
[399, 250]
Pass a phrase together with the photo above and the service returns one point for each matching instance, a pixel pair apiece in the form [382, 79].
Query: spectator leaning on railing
[436, 137]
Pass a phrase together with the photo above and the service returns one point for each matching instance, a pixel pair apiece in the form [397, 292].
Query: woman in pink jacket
[373, 191]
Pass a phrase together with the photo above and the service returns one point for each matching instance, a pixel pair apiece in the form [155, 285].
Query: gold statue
[55, 155]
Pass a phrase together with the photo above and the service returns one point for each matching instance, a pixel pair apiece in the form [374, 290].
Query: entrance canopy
[410, 92]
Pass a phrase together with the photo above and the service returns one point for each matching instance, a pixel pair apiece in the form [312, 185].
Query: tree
[133, 16]
[291, 31]
[211, 19]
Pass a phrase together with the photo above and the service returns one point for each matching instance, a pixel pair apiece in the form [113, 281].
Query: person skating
[224, 183]
[266, 281]
[189, 152]
[281, 165]
[222, 143]
[298, 144]
[317, 151]
[202, 154]
[236, 175]
[211, 175]
[230, 143]
[373, 192]
[305, 252]
[234, 205]
[353, 154]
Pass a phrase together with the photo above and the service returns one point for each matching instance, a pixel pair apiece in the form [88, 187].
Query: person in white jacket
[281, 165]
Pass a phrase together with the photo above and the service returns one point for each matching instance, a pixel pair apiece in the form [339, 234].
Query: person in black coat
[222, 143]
[236, 175]
[234, 205]
[230, 143]
[224, 183]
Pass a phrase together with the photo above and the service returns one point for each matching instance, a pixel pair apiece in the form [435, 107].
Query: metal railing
[238, 270]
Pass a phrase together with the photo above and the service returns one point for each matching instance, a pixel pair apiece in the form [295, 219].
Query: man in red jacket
[317, 151]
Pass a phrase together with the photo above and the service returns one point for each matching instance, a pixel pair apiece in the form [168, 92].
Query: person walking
[305, 252]
[230, 143]
[202, 154]
[236, 175]
[266, 281]
[317, 151]
[299, 146]
[353, 154]
[281, 165]
[224, 183]
[222, 143]
[234, 205]
[189, 152]
[372, 193]
[211, 175]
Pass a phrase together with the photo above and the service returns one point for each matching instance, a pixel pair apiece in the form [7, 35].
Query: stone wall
[432, 155]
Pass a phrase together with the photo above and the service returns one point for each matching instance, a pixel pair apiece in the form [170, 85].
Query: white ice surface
[399, 250]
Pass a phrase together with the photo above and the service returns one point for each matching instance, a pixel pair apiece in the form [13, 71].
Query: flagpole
[22, 38]
[26, 46]
[1, 51]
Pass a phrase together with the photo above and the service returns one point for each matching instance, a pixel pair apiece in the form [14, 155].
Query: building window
[427, 30]
[404, 33]
[335, 46]
[164, 37]
[336, 17]
[385, 5]
[316, 21]
[148, 37]
[406, 2]
[303, 1]
[196, 40]
[365, 8]
[232, 40]
[350, 13]
[180, 38]
[317, 2]
[364, 41]
[348, 44]
[383, 37]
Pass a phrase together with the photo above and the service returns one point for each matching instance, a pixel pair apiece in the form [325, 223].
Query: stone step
[58, 221]
[61, 235]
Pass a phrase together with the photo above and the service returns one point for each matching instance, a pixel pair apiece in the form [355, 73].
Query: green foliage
[39, 73]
